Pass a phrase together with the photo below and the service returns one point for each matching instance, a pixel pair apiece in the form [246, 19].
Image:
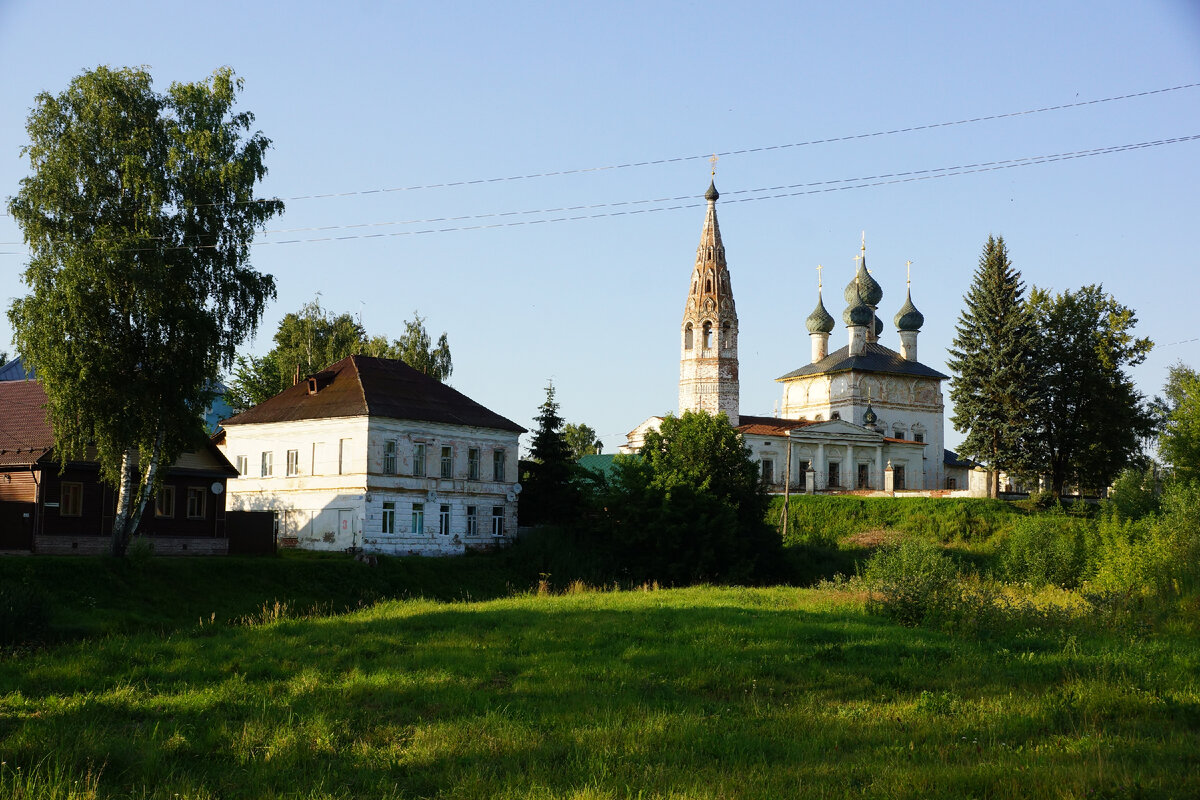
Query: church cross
[819, 268]
[908, 268]
[713, 161]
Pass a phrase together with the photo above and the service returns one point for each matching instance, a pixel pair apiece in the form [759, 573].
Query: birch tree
[138, 213]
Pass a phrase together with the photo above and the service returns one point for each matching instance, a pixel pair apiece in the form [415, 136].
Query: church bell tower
[708, 364]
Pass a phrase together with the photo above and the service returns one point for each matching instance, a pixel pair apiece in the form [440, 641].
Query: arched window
[726, 336]
[687, 337]
[708, 285]
[708, 343]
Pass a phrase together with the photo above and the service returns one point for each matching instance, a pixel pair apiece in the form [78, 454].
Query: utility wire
[743, 151]
[649, 206]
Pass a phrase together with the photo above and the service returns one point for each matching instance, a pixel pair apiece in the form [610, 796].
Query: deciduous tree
[138, 214]
[991, 358]
[581, 440]
[1179, 436]
[311, 339]
[1089, 418]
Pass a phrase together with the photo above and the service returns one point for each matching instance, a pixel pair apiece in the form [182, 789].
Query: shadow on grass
[703, 692]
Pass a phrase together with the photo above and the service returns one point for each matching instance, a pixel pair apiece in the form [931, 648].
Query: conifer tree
[991, 357]
[549, 492]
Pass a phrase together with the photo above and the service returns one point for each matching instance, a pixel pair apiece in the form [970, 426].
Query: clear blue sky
[388, 95]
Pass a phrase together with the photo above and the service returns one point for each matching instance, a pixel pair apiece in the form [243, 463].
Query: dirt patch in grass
[873, 538]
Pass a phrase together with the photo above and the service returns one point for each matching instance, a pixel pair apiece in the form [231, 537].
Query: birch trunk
[126, 490]
[149, 477]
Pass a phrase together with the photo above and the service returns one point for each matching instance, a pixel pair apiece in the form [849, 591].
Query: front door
[863, 473]
[346, 526]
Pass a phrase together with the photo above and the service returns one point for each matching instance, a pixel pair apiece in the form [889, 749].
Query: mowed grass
[683, 693]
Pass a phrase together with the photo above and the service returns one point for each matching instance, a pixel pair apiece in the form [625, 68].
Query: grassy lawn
[683, 693]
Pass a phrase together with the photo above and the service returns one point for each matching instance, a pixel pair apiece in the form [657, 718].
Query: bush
[910, 582]
[24, 614]
[1048, 548]
[1134, 495]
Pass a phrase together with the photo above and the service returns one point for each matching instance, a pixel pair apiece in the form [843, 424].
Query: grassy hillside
[696, 693]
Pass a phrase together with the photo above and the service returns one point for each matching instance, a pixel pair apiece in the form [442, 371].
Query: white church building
[862, 417]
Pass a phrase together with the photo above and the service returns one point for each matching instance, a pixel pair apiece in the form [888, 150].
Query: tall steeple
[708, 363]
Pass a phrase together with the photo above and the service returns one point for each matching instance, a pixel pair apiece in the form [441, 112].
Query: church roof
[874, 358]
[382, 387]
[768, 426]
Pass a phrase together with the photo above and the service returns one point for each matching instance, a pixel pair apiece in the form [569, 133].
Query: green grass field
[684, 693]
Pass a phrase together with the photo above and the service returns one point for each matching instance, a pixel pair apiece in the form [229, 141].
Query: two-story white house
[373, 454]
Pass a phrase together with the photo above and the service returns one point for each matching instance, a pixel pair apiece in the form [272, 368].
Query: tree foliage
[581, 440]
[138, 214]
[311, 339]
[1179, 410]
[991, 358]
[551, 493]
[691, 507]
[1089, 418]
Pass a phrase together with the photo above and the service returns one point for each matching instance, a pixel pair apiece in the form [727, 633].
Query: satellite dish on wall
[516, 488]
[217, 487]
[431, 496]
[511, 496]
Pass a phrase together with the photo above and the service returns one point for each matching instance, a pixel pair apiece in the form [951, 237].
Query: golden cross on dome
[819, 268]
[713, 161]
[864, 241]
[908, 267]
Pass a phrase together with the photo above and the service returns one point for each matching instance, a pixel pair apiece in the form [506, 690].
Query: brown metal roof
[768, 426]
[379, 387]
[25, 434]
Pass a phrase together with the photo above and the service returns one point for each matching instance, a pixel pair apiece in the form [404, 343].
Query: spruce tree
[990, 359]
[549, 492]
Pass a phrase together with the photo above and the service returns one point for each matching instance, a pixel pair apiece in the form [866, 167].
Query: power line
[742, 151]
[757, 194]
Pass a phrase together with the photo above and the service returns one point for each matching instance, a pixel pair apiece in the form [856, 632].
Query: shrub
[1134, 495]
[1048, 548]
[910, 582]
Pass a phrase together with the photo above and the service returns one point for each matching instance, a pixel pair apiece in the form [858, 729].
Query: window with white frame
[419, 460]
[447, 462]
[444, 520]
[389, 457]
[472, 521]
[243, 465]
[473, 464]
[267, 463]
[498, 465]
[497, 520]
[164, 502]
[344, 456]
[388, 519]
[418, 519]
[293, 463]
[195, 502]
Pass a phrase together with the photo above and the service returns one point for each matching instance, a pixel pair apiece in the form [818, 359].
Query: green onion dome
[712, 193]
[819, 321]
[864, 287]
[878, 327]
[908, 318]
[869, 417]
[858, 315]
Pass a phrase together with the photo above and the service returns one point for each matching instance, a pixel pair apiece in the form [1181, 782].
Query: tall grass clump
[47, 780]
[1052, 549]
[825, 520]
[910, 582]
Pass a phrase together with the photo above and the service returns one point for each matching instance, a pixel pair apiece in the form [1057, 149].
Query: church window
[687, 337]
[708, 285]
[918, 436]
[951, 484]
[835, 415]
[898, 432]
[768, 471]
[708, 336]
[726, 338]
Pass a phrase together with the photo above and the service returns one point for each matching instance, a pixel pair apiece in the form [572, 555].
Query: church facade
[862, 417]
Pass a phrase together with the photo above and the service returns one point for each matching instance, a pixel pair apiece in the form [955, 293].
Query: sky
[444, 138]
